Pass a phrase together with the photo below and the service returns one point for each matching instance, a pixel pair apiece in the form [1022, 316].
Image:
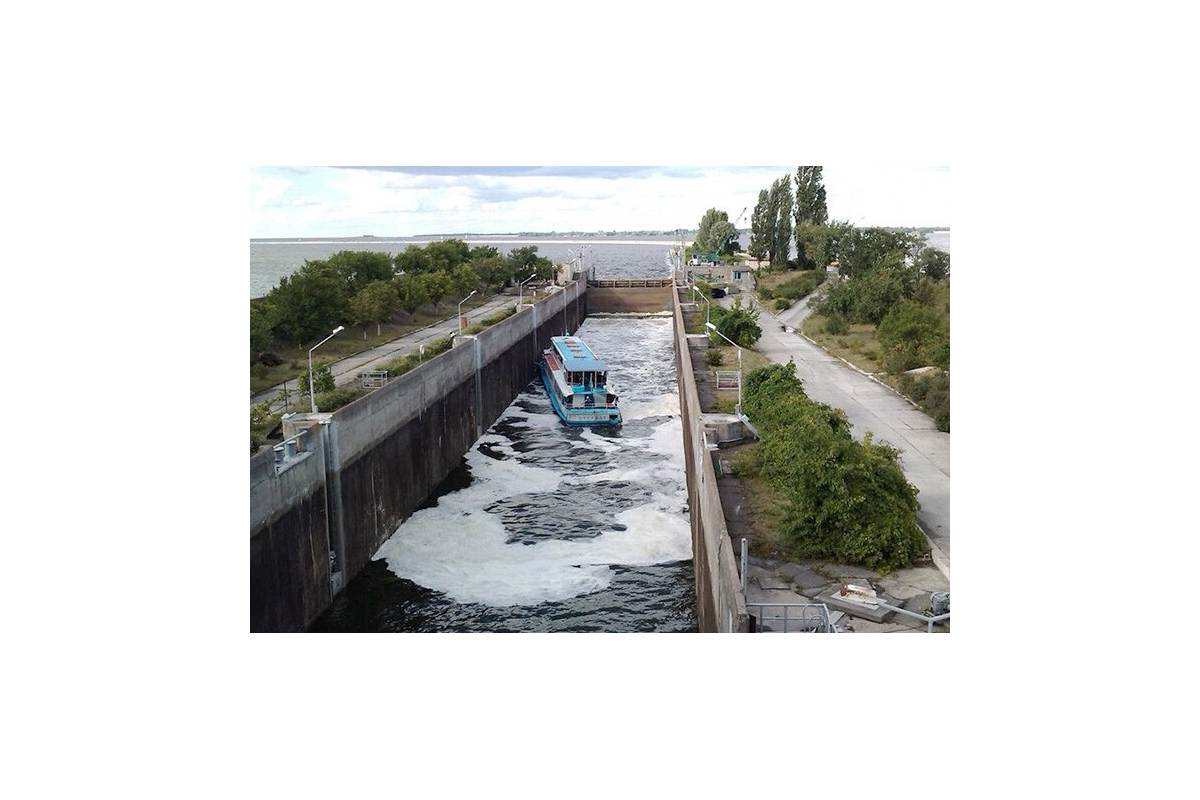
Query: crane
[716, 254]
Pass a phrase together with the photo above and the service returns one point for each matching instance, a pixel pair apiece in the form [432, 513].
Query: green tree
[376, 302]
[437, 285]
[810, 197]
[463, 280]
[411, 291]
[447, 254]
[262, 320]
[705, 240]
[762, 229]
[357, 268]
[308, 301]
[484, 251]
[322, 379]
[493, 271]
[413, 261]
[724, 238]
[935, 263]
[738, 324]
[526, 261]
[782, 189]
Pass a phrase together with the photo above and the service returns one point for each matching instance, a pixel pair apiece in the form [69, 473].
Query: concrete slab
[855, 609]
[804, 578]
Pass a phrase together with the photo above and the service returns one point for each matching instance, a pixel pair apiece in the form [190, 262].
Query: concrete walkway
[347, 370]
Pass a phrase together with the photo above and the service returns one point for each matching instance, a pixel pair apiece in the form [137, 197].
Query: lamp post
[521, 294]
[465, 299]
[312, 396]
[713, 328]
[708, 312]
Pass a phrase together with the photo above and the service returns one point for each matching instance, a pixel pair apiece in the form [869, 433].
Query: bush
[332, 401]
[256, 441]
[257, 370]
[269, 359]
[836, 324]
[714, 358]
[782, 304]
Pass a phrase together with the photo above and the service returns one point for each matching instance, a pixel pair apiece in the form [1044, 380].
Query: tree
[411, 292]
[447, 254]
[762, 230]
[376, 302]
[308, 301]
[810, 197]
[413, 260]
[437, 285]
[262, 320]
[724, 237]
[322, 379]
[357, 268]
[738, 324]
[935, 263]
[705, 240]
[484, 251]
[493, 271]
[525, 260]
[463, 280]
[782, 238]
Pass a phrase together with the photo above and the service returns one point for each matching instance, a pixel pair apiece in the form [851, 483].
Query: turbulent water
[550, 528]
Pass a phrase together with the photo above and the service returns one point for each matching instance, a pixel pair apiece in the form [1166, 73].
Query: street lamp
[465, 299]
[708, 313]
[521, 293]
[311, 393]
[713, 328]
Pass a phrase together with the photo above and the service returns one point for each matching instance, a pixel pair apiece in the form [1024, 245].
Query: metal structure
[374, 378]
[311, 394]
[796, 617]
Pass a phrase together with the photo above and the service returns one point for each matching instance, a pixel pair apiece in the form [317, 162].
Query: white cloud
[351, 202]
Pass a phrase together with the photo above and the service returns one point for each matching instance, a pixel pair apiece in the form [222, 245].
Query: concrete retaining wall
[720, 601]
[371, 464]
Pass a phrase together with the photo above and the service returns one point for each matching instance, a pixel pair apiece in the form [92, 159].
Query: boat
[577, 383]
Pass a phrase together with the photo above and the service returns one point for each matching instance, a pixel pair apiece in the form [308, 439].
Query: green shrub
[836, 324]
[256, 441]
[782, 304]
[332, 401]
[714, 358]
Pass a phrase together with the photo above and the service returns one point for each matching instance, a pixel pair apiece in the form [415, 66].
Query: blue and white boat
[577, 383]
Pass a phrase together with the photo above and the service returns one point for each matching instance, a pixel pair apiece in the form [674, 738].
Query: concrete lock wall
[720, 601]
[380, 457]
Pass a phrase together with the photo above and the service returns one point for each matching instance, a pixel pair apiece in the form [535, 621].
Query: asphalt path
[869, 406]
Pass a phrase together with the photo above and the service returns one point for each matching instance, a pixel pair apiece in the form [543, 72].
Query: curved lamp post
[312, 394]
[713, 328]
[521, 295]
[465, 299]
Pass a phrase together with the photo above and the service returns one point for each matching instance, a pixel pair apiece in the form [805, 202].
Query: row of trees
[368, 288]
[781, 214]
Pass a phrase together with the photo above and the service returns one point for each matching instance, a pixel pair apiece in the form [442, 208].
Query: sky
[415, 201]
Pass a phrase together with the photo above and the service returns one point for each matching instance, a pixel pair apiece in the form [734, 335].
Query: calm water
[612, 257]
[550, 528]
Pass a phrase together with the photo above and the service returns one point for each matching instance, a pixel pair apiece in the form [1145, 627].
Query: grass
[857, 345]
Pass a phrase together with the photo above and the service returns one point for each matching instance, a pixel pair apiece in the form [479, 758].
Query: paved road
[347, 370]
[870, 406]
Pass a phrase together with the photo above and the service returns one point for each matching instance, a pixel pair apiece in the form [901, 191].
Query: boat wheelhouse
[577, 383]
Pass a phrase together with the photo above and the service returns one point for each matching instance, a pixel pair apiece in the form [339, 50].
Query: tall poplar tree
[782, 189]
[811, 216]
[761, 229]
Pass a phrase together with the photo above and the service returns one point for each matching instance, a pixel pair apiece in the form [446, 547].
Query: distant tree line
[360, 288]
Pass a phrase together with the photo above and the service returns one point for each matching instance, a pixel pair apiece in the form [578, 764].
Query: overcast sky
[412, 201]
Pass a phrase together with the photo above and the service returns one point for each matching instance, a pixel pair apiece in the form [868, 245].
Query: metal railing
[807, 617]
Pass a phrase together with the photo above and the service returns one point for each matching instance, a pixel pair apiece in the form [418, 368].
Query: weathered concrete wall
[720, 601]
[289, 546]
[631, 299]
[380, 458]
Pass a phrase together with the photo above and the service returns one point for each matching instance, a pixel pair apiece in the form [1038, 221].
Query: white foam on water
[666, 405]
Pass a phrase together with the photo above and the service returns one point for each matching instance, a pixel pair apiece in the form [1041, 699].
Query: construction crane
[716, 254]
